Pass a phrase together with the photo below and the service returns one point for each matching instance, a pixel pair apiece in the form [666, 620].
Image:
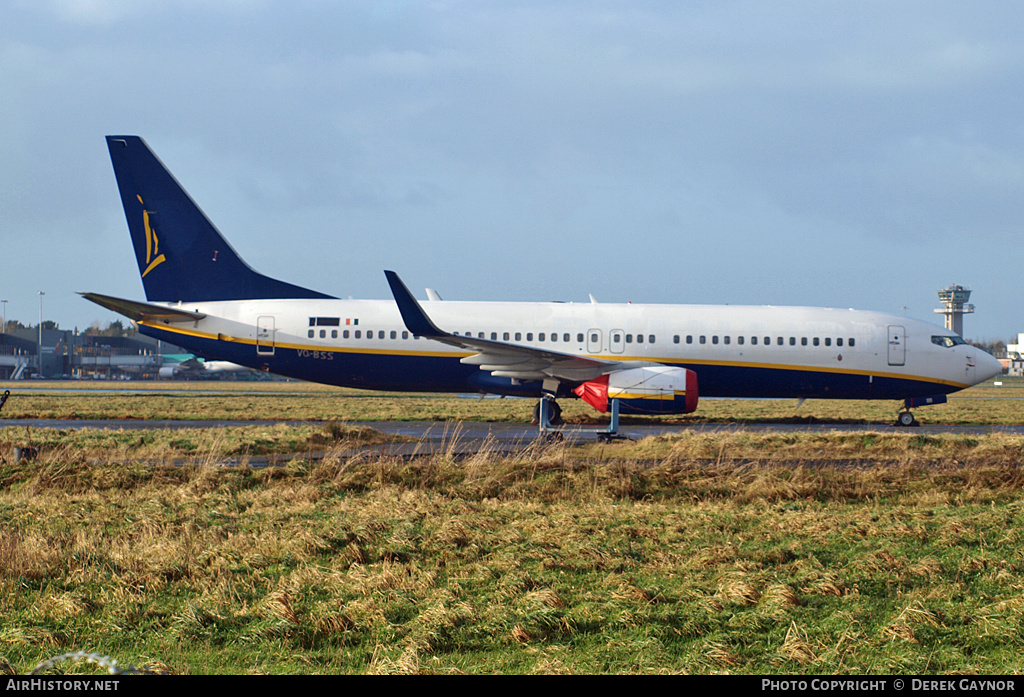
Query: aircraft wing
[499, 358]
[142, 312]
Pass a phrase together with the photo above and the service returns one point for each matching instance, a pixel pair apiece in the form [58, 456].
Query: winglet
[416, 320]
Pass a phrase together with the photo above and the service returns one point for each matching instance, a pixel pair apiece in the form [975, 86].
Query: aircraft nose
[987, 366]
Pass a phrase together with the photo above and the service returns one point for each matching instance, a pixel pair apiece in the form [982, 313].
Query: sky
[805, 152]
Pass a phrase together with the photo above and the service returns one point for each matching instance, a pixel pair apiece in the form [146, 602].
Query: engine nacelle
[658, 389]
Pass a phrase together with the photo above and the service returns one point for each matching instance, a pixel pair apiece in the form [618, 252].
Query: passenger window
[851, 342]
[629, 338]
[675, 338]
[405, 335]
[334, 333]
[504, 337]
[753, 341]
[565, 338]
[394, 334]
[323, 333]
[616, 338]
[639, 338]
[803, 341]
[714, 339]
[359, 334]
[519, 336]
[650, 339]
[344, 334]
[689, 338]
[703, 339]
[529, 336]
[726, 339]
[792, 341]
[839, 341]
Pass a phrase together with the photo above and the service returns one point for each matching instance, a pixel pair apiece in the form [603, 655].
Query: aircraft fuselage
[737, 351]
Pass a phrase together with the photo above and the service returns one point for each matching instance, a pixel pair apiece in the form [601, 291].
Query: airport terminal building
[69, 354]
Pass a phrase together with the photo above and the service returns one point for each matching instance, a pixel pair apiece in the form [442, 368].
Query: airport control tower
[955, 300]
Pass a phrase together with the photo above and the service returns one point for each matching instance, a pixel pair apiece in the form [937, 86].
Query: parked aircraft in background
[628, 358]
[186, 365]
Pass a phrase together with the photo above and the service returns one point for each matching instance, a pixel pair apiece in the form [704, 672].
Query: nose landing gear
[906, 418]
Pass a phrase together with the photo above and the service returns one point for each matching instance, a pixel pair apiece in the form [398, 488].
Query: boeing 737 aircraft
[628, 358]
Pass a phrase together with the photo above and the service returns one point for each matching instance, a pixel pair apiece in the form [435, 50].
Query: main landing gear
[548, 416]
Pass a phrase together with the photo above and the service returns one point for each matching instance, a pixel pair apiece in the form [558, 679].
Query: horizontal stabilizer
[143, 312]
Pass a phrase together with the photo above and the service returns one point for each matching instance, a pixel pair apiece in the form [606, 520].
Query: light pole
[40, 352]
[4, 330]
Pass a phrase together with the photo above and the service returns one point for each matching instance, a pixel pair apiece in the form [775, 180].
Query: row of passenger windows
[616, 337]
[518, 336]
[767, 340]
[358, 334]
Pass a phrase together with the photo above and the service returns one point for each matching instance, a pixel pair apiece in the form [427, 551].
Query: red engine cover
[595, 393]
[657, 389]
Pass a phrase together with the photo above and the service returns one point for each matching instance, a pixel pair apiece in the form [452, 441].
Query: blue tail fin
[181, 254]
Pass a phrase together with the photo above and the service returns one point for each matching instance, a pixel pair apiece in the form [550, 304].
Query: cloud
[723, 146]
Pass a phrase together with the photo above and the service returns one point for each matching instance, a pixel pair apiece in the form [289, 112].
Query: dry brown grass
[552, 559]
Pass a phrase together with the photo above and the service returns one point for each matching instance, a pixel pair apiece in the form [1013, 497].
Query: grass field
[872, 552]
[985, 404]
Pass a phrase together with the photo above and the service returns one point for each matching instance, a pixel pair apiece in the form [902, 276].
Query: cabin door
[265, 335]
[897, 345]
[616, 341]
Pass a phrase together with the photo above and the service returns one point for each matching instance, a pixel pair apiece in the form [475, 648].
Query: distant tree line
[115, 328]
[996, 348]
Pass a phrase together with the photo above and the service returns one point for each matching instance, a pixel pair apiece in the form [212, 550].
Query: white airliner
[628, 358]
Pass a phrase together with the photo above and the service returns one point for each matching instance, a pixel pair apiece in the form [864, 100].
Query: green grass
[985, 404]
[865, 553]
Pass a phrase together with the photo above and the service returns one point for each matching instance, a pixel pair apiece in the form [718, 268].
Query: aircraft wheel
[906, 418]
[554, 413]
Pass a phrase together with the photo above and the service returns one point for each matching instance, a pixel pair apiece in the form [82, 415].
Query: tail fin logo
[153, 256]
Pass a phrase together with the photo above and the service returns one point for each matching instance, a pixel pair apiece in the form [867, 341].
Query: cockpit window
[948, 341]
